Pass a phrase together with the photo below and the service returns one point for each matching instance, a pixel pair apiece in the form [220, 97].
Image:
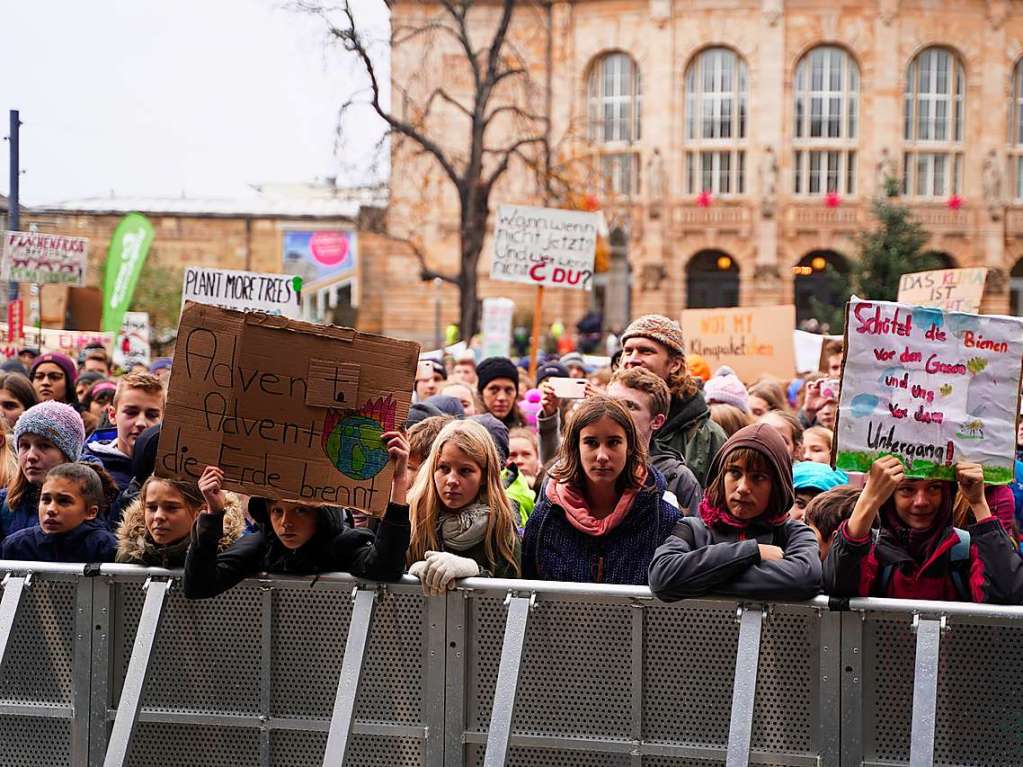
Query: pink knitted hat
[726, 388]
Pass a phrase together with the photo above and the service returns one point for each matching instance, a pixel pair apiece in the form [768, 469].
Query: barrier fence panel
[589, 676]
[251, 676]
[979, 712]
[610, 676]
[44, 679]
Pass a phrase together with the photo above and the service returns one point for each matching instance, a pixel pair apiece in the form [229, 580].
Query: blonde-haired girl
[462, 521]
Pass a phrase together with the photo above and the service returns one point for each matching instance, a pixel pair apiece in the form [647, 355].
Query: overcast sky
[164, 97]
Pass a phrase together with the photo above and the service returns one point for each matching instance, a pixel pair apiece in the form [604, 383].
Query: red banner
[15, 320]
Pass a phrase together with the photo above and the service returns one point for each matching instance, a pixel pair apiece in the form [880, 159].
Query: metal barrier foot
[351, 672]
[744, 691]
[925, 689]
[135, 678]
[499, 732]
[14, 587]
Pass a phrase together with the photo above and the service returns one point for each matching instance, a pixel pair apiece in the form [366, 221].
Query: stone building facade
[246, 234]
[738, 143]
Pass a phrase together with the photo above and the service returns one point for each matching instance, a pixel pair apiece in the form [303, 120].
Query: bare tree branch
[502, 96]
[443, 95]
[425, 272]
[353, 43]
[515, 110]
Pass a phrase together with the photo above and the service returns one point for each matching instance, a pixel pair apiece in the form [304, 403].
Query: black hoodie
[333, 547]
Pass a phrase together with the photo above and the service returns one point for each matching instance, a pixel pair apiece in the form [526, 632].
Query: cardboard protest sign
[289, 410]
[496, 327]
[44, 258]
[132, 343]
[246, 291]
[954, 290]
[545, 246]
[931, 387]
[752, 340]
[69, 342]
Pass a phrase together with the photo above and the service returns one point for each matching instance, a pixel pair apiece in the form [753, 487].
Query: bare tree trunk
[474, 215]
[496, 69]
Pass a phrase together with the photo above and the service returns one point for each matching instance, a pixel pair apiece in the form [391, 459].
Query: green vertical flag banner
[127, 254]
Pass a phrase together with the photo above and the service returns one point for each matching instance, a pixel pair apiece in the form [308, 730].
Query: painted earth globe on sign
[352, 439]
[355, 448]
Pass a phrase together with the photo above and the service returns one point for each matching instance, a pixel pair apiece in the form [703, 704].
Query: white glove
[440, 569]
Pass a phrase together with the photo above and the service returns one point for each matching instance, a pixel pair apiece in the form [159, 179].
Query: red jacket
[993, 573]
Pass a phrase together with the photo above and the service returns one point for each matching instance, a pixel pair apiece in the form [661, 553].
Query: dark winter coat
[698, 560]
[554, 550]
[993, 573]
[25, 514]
[102, 446]
[690, 432]
[334, 547]
[678, 477]
[89, 542]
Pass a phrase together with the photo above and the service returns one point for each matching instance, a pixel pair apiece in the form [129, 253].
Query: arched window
[716, 115]
[712, 280]
[821, 277]
[933, 125]
[1016, 131]
[826, 122]
[1016, 289]
[613, 107]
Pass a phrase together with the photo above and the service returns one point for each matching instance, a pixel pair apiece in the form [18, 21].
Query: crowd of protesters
[661, 472]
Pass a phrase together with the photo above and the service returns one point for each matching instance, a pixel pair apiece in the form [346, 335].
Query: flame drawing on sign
[351, 438]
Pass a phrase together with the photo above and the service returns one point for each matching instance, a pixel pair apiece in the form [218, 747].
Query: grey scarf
[465, 528]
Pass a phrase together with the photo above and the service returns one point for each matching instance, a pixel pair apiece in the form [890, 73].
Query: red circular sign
[329, 248]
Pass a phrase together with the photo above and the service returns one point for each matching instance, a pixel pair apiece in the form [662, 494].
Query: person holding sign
[297, 539]
[743, 543]
[602, 512]
[655, 343]
[918, 554]
[156, 526]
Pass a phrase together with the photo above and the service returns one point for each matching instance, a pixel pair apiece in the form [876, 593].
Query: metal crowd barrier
[114, 667]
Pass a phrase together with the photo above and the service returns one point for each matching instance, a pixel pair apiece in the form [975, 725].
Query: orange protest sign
[752, 340]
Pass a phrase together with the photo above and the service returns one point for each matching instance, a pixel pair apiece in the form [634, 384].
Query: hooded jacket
[136, 547]
[554, 549]
[102, 446]
[690, 432]
[883, 565]
[334, 547]
[89, 542]
[701, 558]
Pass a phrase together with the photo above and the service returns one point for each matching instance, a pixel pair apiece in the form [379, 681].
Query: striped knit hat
[657, 328]
[56, 422]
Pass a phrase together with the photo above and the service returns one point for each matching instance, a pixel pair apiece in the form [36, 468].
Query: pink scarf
[577, 511]
[714, 516]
